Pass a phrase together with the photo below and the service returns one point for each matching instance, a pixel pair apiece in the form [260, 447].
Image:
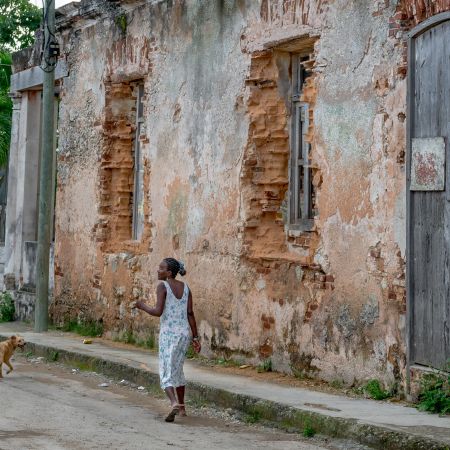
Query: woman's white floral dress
[174, 338]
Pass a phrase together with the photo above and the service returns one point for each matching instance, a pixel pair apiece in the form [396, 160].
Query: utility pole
[49, 60]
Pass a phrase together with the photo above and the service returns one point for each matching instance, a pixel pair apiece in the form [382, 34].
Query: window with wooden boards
[138, 191]
[301, 193]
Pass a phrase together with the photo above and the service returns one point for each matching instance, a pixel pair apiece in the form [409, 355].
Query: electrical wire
[49, 39]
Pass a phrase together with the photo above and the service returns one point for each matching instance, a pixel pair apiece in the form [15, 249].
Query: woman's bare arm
[161, 292]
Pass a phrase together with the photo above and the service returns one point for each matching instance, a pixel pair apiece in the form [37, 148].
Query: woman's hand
[137, 305]
[197, 346]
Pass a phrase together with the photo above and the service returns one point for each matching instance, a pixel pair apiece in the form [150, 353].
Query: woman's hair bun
[174, 266]
[182, 270]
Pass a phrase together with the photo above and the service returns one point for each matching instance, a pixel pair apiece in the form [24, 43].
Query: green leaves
[7, 309]
[5, 106]
[19, 19]
[435, 393]
[375, 391]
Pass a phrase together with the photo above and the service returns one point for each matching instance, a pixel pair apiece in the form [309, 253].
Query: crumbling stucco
[328, 302]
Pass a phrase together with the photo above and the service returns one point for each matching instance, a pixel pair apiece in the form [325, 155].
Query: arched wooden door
[429, 193]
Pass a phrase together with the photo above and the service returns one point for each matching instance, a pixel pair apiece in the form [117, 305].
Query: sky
[58, 2]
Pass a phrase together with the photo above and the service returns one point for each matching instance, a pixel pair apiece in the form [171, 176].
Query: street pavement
[49, 406]
[395, 417]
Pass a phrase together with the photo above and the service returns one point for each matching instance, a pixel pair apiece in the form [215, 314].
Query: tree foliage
[19, 19]
[5, 107]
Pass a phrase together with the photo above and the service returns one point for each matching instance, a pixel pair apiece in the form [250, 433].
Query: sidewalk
[378, 424]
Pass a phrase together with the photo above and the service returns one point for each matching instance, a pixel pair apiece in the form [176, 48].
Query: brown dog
[7, 349]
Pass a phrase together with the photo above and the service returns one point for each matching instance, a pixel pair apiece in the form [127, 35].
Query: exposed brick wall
[116, 174]
[394, 285]
[285, 259]
[265, 166]
[412, 12]
[264, 177]
[316, 280]
[408, 14]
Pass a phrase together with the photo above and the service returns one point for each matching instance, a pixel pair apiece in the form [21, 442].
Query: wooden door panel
[430, 210]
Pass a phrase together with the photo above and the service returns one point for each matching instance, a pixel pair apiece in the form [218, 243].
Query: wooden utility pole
[48, 65]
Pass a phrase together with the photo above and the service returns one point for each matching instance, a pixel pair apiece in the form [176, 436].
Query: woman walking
[175, 308]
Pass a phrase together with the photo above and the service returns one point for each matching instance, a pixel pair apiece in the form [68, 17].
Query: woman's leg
[180, 395]
[170, 391]
[171, 372]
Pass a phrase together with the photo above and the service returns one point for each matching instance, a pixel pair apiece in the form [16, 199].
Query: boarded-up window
[301, 193]
[138, 192]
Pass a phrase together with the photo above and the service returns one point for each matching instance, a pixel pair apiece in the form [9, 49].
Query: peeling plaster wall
[333, 300]
[328, 303]
[359, 135]
[195, 128]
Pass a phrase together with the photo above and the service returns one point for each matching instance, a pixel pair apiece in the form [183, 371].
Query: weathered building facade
[261, 142]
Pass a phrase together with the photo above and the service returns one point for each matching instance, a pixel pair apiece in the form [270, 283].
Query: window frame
[137, 225]
[300, 213]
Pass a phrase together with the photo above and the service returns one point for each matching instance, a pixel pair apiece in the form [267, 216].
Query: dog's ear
[13, 338]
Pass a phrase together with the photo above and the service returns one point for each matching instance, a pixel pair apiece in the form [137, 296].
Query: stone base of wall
[24, 302]
[416, 374]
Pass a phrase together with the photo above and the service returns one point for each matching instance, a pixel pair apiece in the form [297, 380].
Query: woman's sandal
[182, 410]
[171, 416]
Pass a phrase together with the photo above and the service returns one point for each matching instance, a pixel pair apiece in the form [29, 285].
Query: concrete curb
[267, 412]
